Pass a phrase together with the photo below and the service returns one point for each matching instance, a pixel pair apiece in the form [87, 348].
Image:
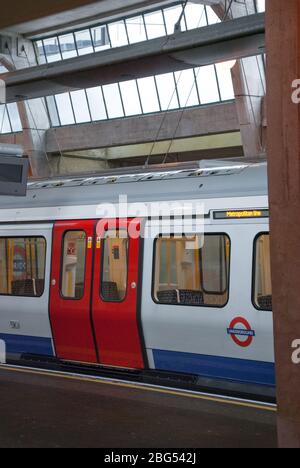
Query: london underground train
[77, 287]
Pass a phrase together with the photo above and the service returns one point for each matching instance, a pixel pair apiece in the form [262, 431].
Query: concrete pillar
[283, 67]
[33, 113]
[248, 78]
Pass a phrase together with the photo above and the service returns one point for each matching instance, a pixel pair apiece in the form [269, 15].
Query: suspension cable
[171, 100]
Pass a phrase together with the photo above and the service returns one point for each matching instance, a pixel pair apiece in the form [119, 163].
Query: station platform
[44, 409]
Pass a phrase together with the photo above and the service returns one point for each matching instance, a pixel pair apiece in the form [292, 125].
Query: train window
[214, 264]
[114, 266]
[262, 273]
[22, 266]
[192, 271]
[73, 273]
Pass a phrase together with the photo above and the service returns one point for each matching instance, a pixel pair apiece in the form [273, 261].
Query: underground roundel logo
[241, 332]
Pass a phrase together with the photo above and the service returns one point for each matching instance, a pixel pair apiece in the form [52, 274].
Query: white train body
[148, 324]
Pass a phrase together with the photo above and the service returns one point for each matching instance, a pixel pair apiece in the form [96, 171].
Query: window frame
[102, 269]
[258, 235]
[204, 306]
[45, 269]
[62, 264]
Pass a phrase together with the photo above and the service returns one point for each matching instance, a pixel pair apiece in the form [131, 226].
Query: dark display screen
[11, 173]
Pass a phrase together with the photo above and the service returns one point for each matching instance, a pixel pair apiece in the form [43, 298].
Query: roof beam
[28, 17]
[56, 16]
[85, 16]
[229, 40]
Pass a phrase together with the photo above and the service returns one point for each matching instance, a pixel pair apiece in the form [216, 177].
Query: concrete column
[33, 114]
[283, 52]
[248, 78]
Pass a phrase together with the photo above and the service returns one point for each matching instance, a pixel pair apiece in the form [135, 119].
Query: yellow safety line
[144, 388]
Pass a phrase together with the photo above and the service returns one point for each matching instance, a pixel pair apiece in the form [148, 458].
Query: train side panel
[25, 277]
[231, 339]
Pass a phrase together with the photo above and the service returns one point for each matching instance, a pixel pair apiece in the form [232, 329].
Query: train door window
[262, 273]
[214, 264]
[73, 265]
[192, 270]
[22, 266]
[113, 286]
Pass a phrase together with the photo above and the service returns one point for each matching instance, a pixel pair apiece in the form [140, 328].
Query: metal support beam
[283, 48]
[229, 40]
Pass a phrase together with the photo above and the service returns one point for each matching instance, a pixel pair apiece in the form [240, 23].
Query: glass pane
[136, 29]
[115, 268]
[130, 98]
[261, 5]
[52, 50]
[100, 38]
[34, 110]
[4, 120]
[73, 274]
[249, 67]
[211, 16]
[225, 80]
[263, 284]
[14, 117]
[117, 34]
[155, 24]
[172, 16]
[148, 95]
[207, 84]
[187, 89]
[65, 109]
[183, 263]
[67, 46]
[22, 266]
[55, 122]
[113, 101]
[167, 91]
[80, 106]
[40, 53]
[195, 16]
[84, 42]
[214, 265]
[96, 103]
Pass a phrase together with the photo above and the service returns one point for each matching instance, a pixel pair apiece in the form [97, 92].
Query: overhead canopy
[37, 18]
[228, 40]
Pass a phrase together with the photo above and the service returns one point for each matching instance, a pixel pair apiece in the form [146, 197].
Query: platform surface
[45, 410]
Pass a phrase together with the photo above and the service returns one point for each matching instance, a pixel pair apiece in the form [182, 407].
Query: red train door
[71, 289]
[115, 293]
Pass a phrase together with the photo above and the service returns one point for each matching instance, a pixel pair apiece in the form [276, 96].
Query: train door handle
[133, 285]
[53, 282]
